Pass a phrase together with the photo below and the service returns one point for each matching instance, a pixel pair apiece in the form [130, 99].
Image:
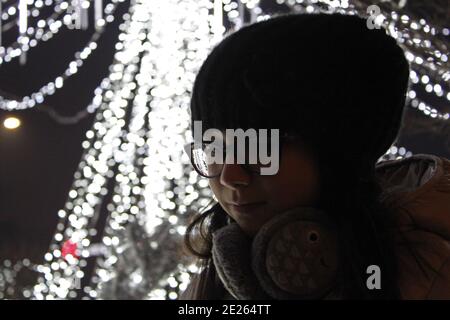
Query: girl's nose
[234, 176]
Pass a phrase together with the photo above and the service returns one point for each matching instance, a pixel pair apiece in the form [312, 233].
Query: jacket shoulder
[417, 189]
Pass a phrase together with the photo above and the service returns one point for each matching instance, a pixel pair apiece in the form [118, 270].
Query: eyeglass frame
[189, 148]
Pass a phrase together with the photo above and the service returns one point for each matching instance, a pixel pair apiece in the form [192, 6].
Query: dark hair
[315, 75]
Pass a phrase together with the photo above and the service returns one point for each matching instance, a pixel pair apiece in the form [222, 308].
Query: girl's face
[252, 199]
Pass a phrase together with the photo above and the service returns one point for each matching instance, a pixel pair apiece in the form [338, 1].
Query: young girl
[331, 223]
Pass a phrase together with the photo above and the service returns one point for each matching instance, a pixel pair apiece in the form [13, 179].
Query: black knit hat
[327, 78]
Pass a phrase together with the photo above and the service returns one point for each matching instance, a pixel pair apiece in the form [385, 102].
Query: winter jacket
[418, 189]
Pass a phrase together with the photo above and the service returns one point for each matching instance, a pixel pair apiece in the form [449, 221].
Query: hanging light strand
[73, 67]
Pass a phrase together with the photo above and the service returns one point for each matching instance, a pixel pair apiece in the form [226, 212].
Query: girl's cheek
[294, 186]
[216, 188]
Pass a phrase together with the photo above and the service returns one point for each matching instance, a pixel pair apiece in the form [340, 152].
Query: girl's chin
[251, 228]
[250, 232]
[252, 222]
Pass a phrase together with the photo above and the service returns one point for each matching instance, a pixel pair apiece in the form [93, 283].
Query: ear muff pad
[295, 255]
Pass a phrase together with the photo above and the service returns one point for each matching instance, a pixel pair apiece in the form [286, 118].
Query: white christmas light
[39, 96]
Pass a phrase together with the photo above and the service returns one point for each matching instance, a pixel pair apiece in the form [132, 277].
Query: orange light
[11, 123]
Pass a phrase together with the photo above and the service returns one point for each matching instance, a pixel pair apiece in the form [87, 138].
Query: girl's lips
[246, 208]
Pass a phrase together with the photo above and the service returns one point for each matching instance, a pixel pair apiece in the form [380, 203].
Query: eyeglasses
[204, 157]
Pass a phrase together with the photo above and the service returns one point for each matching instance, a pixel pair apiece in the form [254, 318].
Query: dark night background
[38, 160]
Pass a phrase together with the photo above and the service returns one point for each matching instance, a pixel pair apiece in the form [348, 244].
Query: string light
[73, 67]
[25, 41]
[9, 274]
[395, 152]
[33, 36]
[153, 200]
[113, 142]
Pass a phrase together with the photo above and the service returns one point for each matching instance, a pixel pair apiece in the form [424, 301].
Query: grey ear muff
[293, 256]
